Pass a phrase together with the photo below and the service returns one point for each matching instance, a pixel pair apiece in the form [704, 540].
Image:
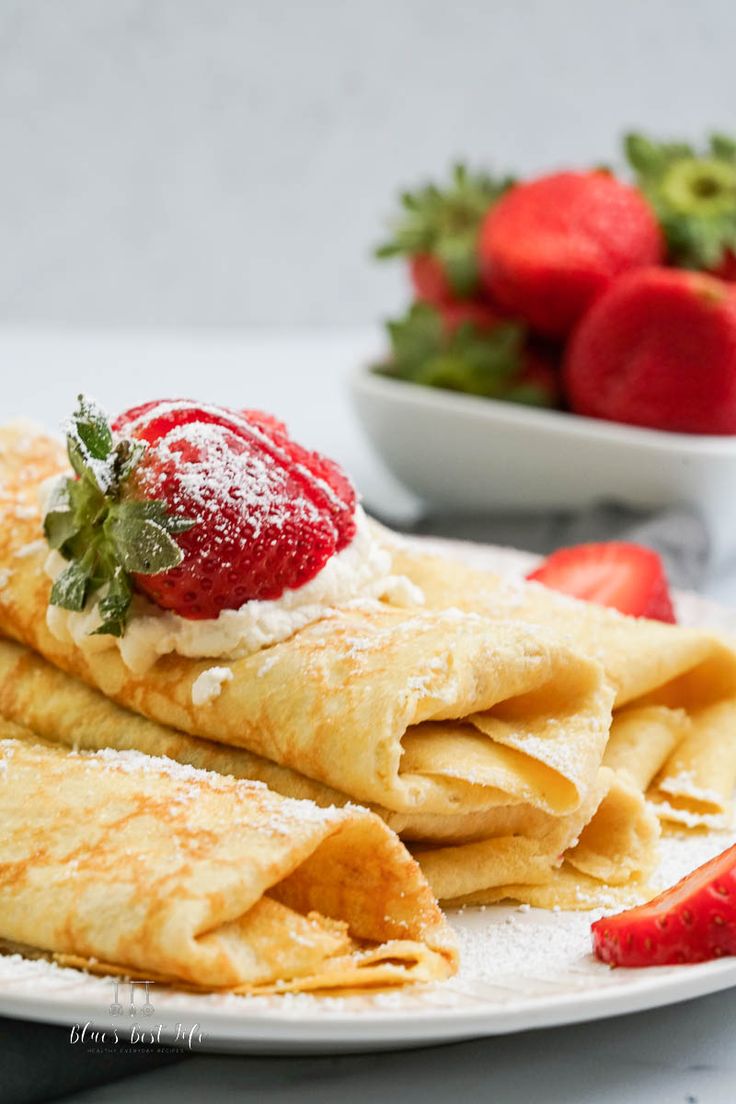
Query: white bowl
[462, 452]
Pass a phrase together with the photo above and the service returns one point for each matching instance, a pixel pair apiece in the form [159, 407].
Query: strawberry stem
[105, 536]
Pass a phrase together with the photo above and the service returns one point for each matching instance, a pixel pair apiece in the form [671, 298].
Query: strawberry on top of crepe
[204, 522]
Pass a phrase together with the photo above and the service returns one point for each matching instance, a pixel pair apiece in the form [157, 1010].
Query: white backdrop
[227, 162]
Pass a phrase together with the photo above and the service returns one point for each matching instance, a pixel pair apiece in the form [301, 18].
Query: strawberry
[551, 246]
[198, 507]
[694, 197]
[323, 478]
[658, 349]
[429, 280]
[438, 232]
[468, 350]
[625, 577]
[692, 921]
[481, 315]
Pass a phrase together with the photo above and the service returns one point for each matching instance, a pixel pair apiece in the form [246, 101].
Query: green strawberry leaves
[105, 535]
[445, 222]
[70, 587]
[693, 195]
[468, 359]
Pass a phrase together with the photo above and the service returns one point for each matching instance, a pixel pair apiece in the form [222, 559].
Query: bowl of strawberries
[571, 338]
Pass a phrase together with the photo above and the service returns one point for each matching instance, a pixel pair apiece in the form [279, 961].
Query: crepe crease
[190, 876]
[673, 735]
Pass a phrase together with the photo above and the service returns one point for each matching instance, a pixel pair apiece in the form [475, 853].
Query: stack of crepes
[673, 731]
[478, 728]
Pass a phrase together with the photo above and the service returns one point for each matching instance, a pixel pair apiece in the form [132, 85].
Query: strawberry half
[199, 507]
[626, 577]
[693, 921]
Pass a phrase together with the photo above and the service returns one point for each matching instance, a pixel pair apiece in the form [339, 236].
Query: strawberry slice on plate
[624, 576]
[692, 921]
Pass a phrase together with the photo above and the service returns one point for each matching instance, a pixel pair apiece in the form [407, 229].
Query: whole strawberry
[551, 246]
[438, 232]
[659, 350]
[694, 196]
[200, 508]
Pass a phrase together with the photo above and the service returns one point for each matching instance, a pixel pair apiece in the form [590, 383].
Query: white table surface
[684, 1054]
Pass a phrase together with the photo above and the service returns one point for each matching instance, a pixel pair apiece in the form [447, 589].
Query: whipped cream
[361, 571]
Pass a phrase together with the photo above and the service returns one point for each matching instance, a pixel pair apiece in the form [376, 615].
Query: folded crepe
[674, 729]
[142, 866]
[509, 846]
[481, 740]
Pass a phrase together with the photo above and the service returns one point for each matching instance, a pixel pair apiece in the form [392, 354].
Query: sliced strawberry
[256, 532]
[216, 509]
[693, 921]
[626, 577]
[265, 421]
[321, 478]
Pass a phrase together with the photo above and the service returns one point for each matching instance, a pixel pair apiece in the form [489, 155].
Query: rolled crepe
[675, 705]
[468, 729]
[177, 874]
[467, 859]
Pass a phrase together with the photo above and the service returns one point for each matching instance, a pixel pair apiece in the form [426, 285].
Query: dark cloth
[38, 1063]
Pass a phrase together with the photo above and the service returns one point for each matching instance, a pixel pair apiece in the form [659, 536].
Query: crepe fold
[674, 725]
[468, 858]
[193, 877]
[466, 733]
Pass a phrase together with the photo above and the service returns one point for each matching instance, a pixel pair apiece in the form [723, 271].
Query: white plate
[522, 968]
[463, 452]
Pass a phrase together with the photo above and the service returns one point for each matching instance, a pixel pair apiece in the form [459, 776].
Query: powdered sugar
[30, 549]
[207, 686]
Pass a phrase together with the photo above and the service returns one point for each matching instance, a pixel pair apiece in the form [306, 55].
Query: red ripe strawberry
[726, 270]
[480, 315]
[323, 479]
[551, 246]
[625, 577]
[429, 280]
[658, 349]
[693, 921]
[202, 508]
[437, 231]
[541, 374]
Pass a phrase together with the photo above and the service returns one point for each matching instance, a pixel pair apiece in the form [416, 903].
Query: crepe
[473, 855]
[460, 729]
[188, 876]
[674, 730]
